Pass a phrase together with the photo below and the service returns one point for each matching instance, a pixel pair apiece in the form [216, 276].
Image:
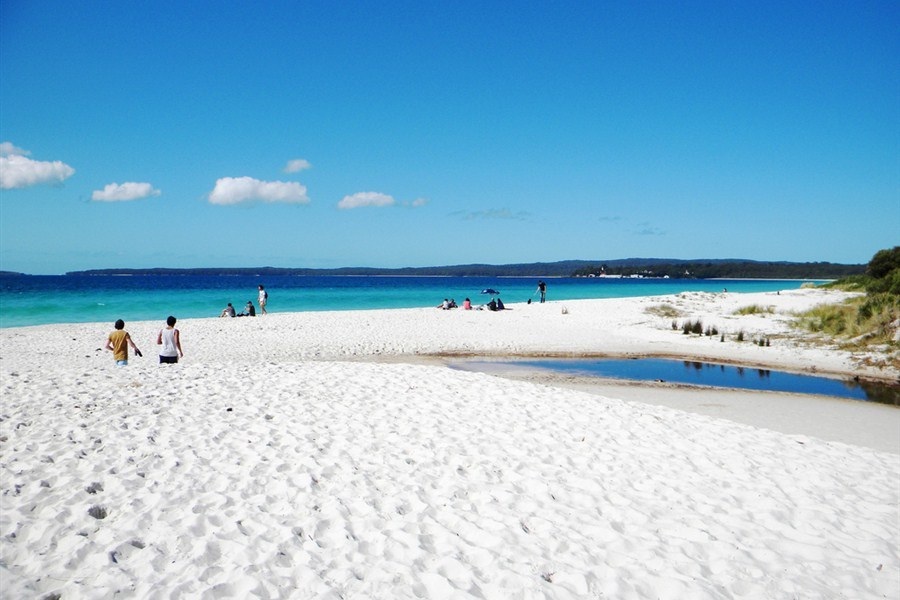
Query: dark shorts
[168, 359]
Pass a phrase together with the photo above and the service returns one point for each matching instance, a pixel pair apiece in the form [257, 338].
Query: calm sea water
[37, 300]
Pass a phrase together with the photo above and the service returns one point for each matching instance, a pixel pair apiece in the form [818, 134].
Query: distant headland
[627, 267]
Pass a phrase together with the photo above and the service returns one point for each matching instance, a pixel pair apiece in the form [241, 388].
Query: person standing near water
[542, 288]
[263, 299]
[170, 340]
[118, 341]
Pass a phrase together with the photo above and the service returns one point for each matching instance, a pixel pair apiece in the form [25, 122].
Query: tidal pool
[712, 375]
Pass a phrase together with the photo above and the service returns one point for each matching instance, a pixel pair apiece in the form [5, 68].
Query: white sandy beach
[333, 455]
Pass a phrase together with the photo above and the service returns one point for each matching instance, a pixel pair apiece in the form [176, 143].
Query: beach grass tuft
[858, 322]
[664, 310]
[755, 309]
[867, 321]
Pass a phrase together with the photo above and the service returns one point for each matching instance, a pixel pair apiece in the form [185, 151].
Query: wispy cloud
[296, 165]
[363, 199]
[115, 192]
[234, 190]
[493, 213]
[648, 229]
[18, 171]
[419, 202]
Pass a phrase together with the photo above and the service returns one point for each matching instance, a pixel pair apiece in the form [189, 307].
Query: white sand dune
[267, 465]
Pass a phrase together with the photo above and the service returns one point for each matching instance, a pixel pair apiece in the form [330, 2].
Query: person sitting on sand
[228, 311]
[445, 305]
[492, 305]
[250, 310]
[118, 341]
[500, 305]
[170, 340]
[467, 304]
[453, 303]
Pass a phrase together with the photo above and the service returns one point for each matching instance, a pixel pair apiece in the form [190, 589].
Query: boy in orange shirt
[118, 341]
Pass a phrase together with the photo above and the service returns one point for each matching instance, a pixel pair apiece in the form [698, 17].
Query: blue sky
[390, 134]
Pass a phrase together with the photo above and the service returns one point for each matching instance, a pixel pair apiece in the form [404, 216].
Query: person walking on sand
[170, 340]
[118, 341]
[542, 288]
[263, 299]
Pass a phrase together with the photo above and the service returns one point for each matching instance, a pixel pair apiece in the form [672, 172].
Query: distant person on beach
[263, 299]
[170, 340]
[228, 311]
[445, 305]
[542, 288]
[467, 304]
[249, 310]
[118, 341]
[500, 305]
[492, 305]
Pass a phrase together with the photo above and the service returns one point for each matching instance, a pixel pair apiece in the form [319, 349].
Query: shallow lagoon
[712, 375]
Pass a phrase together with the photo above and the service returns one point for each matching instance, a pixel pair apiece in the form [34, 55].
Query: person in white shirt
[170, 340]
[263, 298]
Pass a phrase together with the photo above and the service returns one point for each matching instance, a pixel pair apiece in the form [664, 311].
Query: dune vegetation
[872, 318]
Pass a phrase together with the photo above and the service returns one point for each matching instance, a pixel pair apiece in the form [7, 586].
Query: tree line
[646, 267]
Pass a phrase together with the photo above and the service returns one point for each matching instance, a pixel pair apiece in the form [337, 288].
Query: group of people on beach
[495, 303]
[249, 309]
[170, 338]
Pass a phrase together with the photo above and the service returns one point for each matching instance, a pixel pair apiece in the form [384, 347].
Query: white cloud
[233, 190]
[19, 171]
[297, 165]
[419, 202]
[6, 149]
[129, 190]
[361, 199]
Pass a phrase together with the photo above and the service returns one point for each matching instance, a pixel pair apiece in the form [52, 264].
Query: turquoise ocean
[38, 299]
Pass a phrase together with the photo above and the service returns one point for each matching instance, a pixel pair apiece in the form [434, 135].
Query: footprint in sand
[98, 512]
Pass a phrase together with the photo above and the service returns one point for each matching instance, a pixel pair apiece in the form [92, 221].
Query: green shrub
[883, 263]
[889, 284]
